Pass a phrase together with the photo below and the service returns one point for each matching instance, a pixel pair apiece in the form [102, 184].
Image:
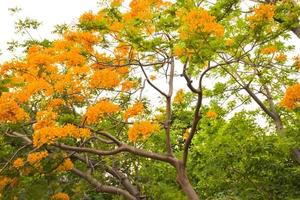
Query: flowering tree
[106, 97]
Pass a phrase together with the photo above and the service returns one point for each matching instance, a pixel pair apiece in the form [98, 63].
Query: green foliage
[238, 160]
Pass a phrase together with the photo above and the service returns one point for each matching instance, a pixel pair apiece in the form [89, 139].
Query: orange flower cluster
[10, 111]
[142, 128]
[136, 109]
[33, 87]
[198, 20]
[127, 85]
[48, 135]
[268, 50]
[152, 77]
[297, 61]
[291, 97]
[90, 18]
[116, 26]
[18, 163]
[55, 103]
[71, 57]
[262, 14]
[35, 158]
[37, 57]
[116, 2]
[87, 17]
[44, 119]
[211, 114]
[60, 196]
[229, 42]
[122, 50]
[66, 165]
[86, 39]
[281, 58]
[97, 111]
[186, 134]
[105, 78]
[179, 51]
[142, 9]
[123, 70]
[4, 181]
[179, 97]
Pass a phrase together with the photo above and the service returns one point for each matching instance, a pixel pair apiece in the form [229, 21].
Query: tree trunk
[296, 154]
[184, 182]
[297, 31]
[280, 130]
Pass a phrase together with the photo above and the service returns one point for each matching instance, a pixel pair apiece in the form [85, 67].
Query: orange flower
[97, 111]
[72, 131]
[35, 158]
[137, 108]
[48, 135]
[179, 51]
[44, 119]
[291, 97]
[229, 42]
[186, 134]
[197, 21]
[142, 128]
[66, 165]
[60, 196]
[106, 78]
[152, 77]
[268, 49]
[122, 70]
[54, 103]
[86, 39]
[37, 57]
[116, 3]
[211, 114]
[117, 26]
[10, 111]
[18, 163]
[281, 57]
[122, 50]
[297, 61]
[179, 97]
[262, 14]
[127, 85]
[87, 17]
[4, 181]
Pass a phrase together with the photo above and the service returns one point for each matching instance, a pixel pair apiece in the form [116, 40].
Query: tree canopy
[154, 99]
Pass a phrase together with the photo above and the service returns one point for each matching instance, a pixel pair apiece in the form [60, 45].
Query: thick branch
[188, 79]
[89, 150]
[100, 187]
[122, 148]
[116, 173]
[197, 116]
[167, 124]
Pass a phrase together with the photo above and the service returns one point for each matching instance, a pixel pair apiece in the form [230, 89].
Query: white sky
[49, 12]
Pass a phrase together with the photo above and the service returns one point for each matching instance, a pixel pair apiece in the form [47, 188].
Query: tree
[102, 103]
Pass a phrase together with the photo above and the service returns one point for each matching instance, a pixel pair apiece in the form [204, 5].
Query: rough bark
[183, 181]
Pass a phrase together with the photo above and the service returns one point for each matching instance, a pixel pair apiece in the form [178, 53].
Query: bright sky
[49, 12]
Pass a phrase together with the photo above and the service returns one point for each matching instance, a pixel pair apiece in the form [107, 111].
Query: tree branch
[100, 187]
